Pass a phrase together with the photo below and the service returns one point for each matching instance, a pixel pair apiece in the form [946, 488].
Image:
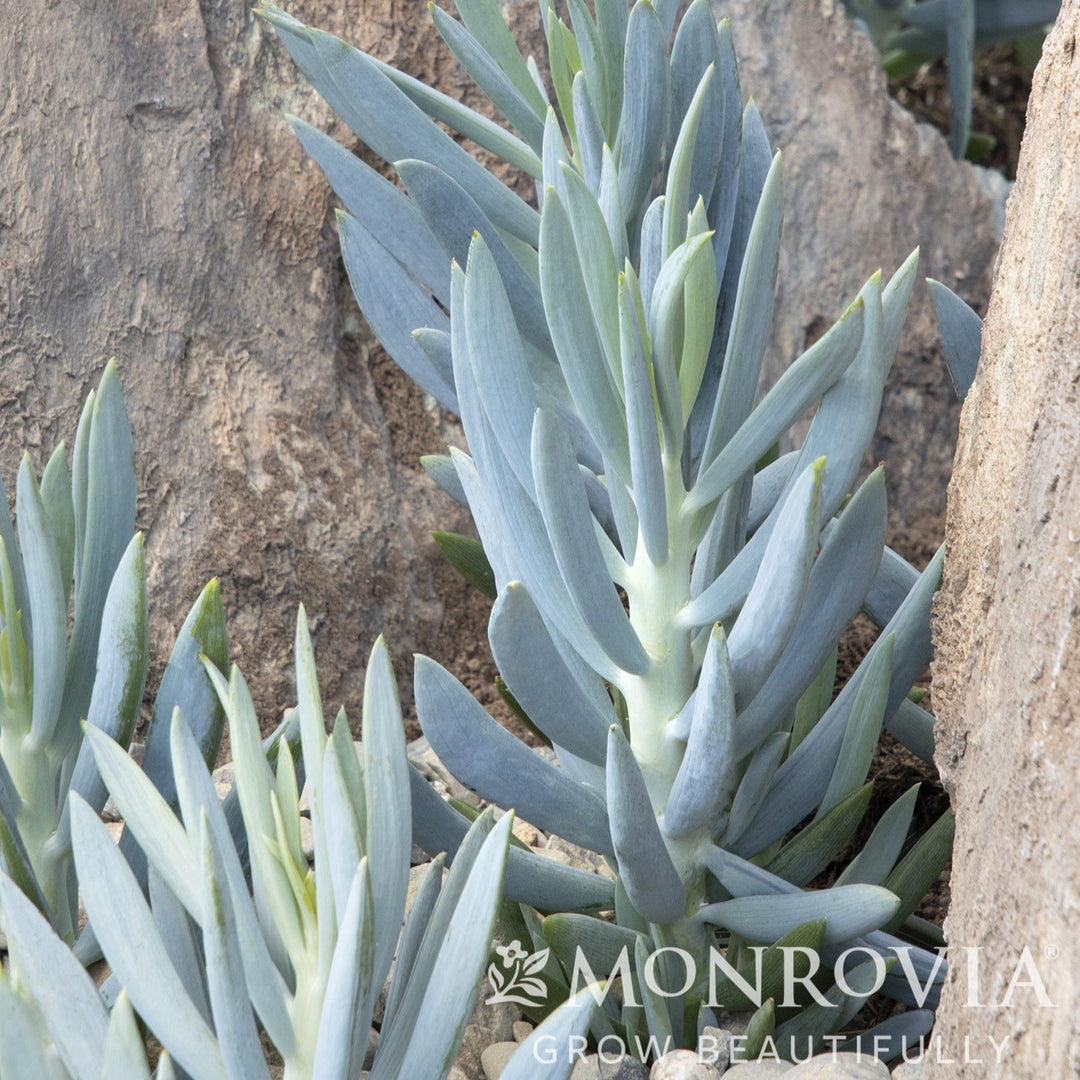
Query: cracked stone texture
[155, 206]
[865, 184]
[1007, 672]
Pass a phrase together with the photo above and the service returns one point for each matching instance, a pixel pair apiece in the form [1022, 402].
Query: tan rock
[1007, 673]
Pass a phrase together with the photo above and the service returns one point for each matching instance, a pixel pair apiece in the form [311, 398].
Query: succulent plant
[207, 958]
[667, 611]
[910, 32]
[76, 546]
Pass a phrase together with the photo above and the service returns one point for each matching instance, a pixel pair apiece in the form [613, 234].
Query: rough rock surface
[1007, 674]
[864, 185]
[155, 206]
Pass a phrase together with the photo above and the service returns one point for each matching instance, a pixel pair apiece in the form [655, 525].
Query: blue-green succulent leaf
[703, 787]
[529, 878]
[482, 130]
[178, 935]
[234, 1022]
[454, 216]
[914, 727]
[76, 1019]
[646, 462]
[961, 336]
[863, 730]
[772, 607]
[388, 818]
[412, 936]
[384, 118]
[896, 1036]
[571, 531]
[789, 802]
[48, 607]
[645, 867]
[646, 102]
[565, 700]
[570, 320]
[103, 493]
[879, 854]
[754, 786]
[387, 214]
[124, 1053]
[486, 758]
[394, 304]
[133, 947]
[498, 359]
[677, 195]
[839, 578]
[523, 113]
[148, 817]
[485, 22]
[197, 796]
[802, 384]
[123, 654]
[345, 1021]
[445, 1008]
[849, 911]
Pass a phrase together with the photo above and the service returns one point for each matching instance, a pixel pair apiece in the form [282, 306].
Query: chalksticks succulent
[670, 588]
[77, 547]
[236, 932]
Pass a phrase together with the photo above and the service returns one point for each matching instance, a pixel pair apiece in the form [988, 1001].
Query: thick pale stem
[656, 595]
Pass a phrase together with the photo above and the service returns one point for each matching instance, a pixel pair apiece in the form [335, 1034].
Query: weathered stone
[522, 1030]
[864, 185]
[496, 1057]
[908, 1070]
[840, 1067]
[714, 1047]
[624, 1068]
[766, 1069]
[1007, 673]
[682, 1065]
[156, 206]
[470, 1057]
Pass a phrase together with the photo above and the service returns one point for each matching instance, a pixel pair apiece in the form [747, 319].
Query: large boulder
[155, 206]
[1007, 672]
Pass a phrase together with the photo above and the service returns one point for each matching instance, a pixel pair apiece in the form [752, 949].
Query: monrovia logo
[516, 977]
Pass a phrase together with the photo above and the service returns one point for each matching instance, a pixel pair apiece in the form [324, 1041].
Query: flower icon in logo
[515, 978]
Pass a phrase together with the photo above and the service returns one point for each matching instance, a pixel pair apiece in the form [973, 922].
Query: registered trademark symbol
[1052, 952]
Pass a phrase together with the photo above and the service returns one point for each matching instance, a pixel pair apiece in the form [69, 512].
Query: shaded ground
[1002, 85]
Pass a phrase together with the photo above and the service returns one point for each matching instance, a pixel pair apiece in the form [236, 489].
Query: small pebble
[307, 839]
[529, 834]
[908, 1070]
[522, 1030]
[496, 1057]
[840, 1067]
[765, 1069]
[625, 1068]
[682, 1065]
[714, 1047]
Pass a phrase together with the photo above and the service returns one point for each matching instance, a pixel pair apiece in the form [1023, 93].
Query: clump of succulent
[910, 32]
[77, 549]
[209, 957]
[670, 592]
